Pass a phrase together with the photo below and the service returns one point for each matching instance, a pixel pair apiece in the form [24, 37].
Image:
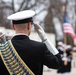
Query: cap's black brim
[22, 21]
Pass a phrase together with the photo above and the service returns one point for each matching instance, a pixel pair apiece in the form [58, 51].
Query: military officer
[34, 54]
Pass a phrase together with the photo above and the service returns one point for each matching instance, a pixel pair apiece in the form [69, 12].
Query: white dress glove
[42, 35]
[40, 32]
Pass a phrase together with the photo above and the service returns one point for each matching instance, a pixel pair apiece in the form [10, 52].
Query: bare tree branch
[13, 6]
[22, 4]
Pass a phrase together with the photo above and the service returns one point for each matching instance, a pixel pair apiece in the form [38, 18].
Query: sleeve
[50, 60]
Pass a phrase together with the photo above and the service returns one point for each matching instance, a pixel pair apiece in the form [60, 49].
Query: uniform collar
[21, 34]
[19, 37]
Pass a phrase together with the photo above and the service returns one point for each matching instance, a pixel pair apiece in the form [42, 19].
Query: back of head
[21, 20]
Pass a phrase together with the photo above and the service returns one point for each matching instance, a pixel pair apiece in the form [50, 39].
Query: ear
[13, 26]
[29, 25]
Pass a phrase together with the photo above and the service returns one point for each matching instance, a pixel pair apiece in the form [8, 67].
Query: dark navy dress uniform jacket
[34, 54]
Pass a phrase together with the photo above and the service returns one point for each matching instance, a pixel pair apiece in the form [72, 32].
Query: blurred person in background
[69, 52]
[74, 57]
[66, 54]
[9, 36]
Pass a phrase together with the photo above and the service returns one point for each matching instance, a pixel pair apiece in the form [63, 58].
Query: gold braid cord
[14, 64]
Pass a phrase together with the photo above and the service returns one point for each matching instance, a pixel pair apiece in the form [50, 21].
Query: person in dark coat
[34, 54]
[67, 56]
[69, 52]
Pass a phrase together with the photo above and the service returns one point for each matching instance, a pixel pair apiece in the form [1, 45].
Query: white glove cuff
[51, 47]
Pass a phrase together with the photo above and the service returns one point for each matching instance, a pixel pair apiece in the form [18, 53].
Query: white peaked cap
[22, 16]
[60, 43]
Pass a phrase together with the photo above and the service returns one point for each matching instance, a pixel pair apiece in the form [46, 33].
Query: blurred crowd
[66, 52]
[68, 55]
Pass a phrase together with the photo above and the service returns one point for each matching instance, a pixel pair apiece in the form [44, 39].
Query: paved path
[53, 72]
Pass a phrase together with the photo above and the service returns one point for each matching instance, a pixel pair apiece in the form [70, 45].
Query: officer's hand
[42, 35]
[40, 32]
